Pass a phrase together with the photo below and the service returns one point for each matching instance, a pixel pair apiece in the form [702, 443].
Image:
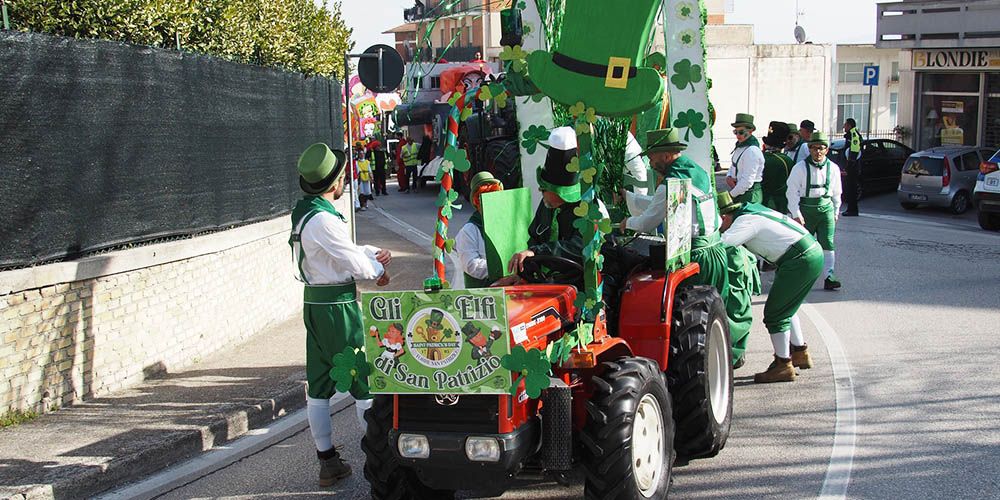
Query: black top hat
[777, 134]
[554, 176]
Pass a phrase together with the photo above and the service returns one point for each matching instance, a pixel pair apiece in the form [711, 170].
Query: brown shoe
[801, 357]
[781, 370]
[332, 469]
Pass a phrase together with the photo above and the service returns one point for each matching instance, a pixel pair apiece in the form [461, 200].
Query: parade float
[474, 388]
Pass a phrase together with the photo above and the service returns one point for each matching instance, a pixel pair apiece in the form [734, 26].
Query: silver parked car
[944, 176]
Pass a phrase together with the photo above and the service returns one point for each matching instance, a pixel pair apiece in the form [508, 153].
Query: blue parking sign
[871, 76]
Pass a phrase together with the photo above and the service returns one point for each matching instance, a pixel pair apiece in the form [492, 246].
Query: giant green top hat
[553, 176]
[726, 203]
[818, 138]
[664, 139]
[597, 60]
[319, 168]
[744, 120]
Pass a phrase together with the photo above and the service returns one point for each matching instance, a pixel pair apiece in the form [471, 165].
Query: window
[894, 75]
[970, 161]
[893, 107]
[418, 82]
[853, 106]
[852, 72]
[456, 36]
[468, 32]
[435, 82]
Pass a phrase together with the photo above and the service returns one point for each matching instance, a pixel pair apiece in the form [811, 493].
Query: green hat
[480, 179]
[793, 128]
[320, 167]
[726, 203]
[818, 138]
[744, 120]
[553, 176]
[470, 330]
[600, 58]
[436, 318]
[664, 139]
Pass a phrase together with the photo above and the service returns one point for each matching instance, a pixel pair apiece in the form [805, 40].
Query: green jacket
[566, 241]
[777, 166]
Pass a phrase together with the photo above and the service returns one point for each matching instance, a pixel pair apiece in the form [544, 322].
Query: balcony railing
[458, 54]
[938, 24]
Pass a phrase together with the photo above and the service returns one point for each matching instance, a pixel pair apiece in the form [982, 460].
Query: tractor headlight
[482, 449]
[413, 446]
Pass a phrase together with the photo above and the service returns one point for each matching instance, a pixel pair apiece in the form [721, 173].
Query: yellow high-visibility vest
[855, 140]
[410, 154]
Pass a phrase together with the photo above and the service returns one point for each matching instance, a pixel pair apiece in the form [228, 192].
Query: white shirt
[797, 185]
[635, 165]
[471, 248]
[652, 211]
[331, 256]
[747, 168]
[765, 237]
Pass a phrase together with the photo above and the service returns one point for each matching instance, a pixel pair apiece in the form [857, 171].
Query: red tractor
[654, 386]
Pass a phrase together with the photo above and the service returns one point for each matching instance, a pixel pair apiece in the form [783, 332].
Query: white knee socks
[829, 260]
[780, 343]
[318, 411]
[360, 407]
[796, 333]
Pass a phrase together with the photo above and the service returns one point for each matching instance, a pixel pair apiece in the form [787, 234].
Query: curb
[232, 422]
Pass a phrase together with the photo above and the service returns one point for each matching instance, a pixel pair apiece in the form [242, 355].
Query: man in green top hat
[665, 151]
[747, 168]
[598, 57]
[471, 243]
[814, 200]
[328, 262]
[777, 166]
[781, 241]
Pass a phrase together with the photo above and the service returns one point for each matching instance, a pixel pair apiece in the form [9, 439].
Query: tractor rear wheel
[700, 372]
[628, 438]
[388, 480]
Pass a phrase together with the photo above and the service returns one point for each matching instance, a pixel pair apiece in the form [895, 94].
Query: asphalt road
[913, 405]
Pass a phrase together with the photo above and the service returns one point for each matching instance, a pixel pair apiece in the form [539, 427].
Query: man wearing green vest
[777, 166]
[411, 158]
[853, 140]
[328, 262]
[781, 241]
[747, 168]
[664, 149]
[471, 243]
[814, 200]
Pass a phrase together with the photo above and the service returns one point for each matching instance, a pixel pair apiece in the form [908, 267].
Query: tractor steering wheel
[549, 269]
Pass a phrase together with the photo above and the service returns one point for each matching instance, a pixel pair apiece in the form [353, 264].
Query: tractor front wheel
[628, 438]
[700, 372]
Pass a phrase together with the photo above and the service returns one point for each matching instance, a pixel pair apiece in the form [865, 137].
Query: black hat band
[590, 69]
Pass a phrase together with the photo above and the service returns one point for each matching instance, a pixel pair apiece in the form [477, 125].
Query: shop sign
[952, 106]
[446, 342]
[956, 59]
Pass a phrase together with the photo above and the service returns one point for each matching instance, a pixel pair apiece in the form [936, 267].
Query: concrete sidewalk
[107, 442]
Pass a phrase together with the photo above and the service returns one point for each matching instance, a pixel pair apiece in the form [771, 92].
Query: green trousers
[793, 280]
[710, 256]
[744, 283]
[333, 321]
[753, 195]
[819, 218]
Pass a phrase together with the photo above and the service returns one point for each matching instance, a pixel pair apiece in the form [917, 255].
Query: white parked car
[986, 195]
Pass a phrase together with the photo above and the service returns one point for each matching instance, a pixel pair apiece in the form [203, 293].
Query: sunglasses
[741, 132]
[818, 146]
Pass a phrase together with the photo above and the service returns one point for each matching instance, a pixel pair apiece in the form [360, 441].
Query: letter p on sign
[871, 76]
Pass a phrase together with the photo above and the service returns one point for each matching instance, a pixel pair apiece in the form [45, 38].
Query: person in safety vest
[470, 244]
[814, 200]
[328, 263]
[781, 241]
[411, 158]
[746, 171]
[664, 149]
[852, 138]
[777, 166]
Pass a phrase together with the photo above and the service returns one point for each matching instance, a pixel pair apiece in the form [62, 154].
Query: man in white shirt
[470, 243]
[635, 166]
[747, 168]
[328, 262]
[814, 200]
[784, 243]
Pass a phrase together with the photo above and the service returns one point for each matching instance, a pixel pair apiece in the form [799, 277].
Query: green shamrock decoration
[485, 93]
[501, 100]
[526, 29]
[522, 5]
[684, 10]
[604, 226]
[534, 135]
[583, 225]
[591, 115]
[449, 245]
[517, 57]
[573, 165]
[588, 175]
[531, 366]
[686, 74]
[693, 121]
[582, 209]
[454, 98]
[538, 97]
[687, 38]
[582, 128]
[455, 158]
[577, 109]
[350, 371]
[466, 113]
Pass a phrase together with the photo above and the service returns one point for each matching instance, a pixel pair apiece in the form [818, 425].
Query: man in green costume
[328, 262]
[471, 243]
[747, 168]
[786, 244]
[664, 149]
[777, 166]
[814, 200]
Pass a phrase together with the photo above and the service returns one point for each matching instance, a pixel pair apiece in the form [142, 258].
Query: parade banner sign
[687, 81]
[446, 342]
[678, 224]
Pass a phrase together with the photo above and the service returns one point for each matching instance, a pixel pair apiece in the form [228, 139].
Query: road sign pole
[870, 87]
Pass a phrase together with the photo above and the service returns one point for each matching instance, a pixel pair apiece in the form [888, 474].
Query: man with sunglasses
[747, 168]
[814, 191]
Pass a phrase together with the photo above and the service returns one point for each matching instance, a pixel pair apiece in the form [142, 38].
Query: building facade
[950, 62]
[436, 30]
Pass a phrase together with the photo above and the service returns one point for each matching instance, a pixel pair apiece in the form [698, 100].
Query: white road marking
[838, 471]
[419, 237]
[221, 457]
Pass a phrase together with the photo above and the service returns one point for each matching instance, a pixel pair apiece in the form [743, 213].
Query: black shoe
[831, 283]
[849, 214]
[332, 468]
[740, 361]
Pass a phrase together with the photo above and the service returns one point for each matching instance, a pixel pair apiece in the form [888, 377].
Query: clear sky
[825, 21]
